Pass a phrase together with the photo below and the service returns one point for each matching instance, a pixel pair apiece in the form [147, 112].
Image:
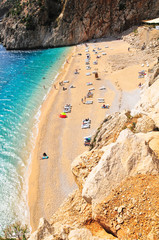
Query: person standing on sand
[54, 86]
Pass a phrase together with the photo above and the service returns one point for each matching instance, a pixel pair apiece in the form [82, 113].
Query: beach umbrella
[63, 115]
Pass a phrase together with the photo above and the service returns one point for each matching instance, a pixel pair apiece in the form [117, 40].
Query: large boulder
[83, 165]
[144, 124]
[44, 231]
[128, 156]
[85, 234]
[109, 130]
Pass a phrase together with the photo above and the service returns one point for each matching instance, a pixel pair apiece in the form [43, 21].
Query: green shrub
[16, 231]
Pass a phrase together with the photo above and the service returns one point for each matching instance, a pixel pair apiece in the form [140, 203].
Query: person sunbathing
[45, 156]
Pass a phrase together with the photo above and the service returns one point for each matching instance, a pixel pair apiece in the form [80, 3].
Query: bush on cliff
[15, 231]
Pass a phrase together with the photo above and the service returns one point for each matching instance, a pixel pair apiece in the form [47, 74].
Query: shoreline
[33, 165]
[51, 180]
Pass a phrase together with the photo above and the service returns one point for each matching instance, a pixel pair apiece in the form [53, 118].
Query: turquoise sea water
[22, 77]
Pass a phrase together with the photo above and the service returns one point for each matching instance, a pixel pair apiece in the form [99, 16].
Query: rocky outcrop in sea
[43, 23]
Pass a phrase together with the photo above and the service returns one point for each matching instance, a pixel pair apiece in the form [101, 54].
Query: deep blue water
[22, 77]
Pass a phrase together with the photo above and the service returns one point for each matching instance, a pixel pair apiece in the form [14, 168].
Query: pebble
[117, 227]
[120, 220]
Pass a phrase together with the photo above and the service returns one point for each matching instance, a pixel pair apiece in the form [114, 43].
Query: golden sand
[51, 179]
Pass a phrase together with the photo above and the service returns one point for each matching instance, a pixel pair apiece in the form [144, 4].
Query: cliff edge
[117, 178]
[49, 23]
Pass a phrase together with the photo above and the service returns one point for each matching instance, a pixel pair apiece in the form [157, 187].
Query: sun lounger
[86, 50]
[91, 89]
[68, 105]
[85, 126]
[88, 68]
[72, 86]
[89, 102]
[88, 74]
[101, 100]
[106, 47]
[103, 53]
[95, 62]
[66, 81]
[102, 88]
[86, 121]
[89, 83]
[67, 110]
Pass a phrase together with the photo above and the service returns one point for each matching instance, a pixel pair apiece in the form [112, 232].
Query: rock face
[109, 130]
[117, 178]
[83, 165]
[66, 22]
[149, 103]
[144, 124]
[128, 156]
[126, 212]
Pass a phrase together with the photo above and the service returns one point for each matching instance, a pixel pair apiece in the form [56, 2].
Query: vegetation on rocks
[16, 231]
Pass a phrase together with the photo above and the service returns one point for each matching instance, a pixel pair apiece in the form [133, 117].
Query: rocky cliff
[117, 178]
[50, 23]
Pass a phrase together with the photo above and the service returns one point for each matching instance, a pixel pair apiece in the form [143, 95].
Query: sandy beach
[51, 179]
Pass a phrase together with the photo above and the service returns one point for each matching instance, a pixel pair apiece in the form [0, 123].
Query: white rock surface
[129, 155]
[149, 103]
[80, 234]
[84, 234]
[44, 231]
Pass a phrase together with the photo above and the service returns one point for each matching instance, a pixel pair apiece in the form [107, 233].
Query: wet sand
[51, 179]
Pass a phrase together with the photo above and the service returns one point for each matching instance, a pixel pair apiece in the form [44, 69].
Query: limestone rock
[155, 74]
[83, 165]
[109, 130]
[73, 213]
[80, 234]
[149, 103]
[44, 231]
[140, 215]
[57, 23]
[128, 156]
[85, 234]
[144, 124]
